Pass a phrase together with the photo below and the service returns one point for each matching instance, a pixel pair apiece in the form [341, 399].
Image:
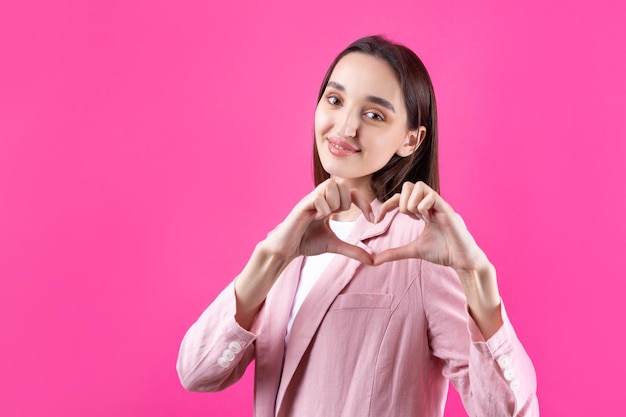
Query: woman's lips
[340, 148]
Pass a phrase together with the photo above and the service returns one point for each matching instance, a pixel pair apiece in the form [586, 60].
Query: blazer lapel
[332, 281]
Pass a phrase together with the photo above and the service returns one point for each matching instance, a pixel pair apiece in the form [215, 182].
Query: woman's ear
[412, 142]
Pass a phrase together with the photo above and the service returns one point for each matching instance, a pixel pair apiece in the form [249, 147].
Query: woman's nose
[348, 123]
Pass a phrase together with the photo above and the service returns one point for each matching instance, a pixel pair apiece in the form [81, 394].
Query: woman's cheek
[322, 121]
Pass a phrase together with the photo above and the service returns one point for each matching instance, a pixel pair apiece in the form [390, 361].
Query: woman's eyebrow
[372, 99]
[336, 86]
[381, 102]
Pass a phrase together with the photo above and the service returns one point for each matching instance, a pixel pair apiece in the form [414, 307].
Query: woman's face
[361, 121]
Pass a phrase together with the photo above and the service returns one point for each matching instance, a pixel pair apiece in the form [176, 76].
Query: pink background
[146, 146]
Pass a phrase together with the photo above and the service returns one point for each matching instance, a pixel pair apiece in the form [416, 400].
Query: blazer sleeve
[494, 377]
[216, 350]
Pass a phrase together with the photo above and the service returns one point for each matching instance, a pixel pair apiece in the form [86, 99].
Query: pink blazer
[367, 341]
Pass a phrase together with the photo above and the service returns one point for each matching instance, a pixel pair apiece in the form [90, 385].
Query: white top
[312, 268]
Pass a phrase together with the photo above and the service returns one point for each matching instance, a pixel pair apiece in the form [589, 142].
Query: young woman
[372, 293]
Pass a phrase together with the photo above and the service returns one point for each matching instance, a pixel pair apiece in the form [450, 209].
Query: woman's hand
[306, 232]
[445, 239]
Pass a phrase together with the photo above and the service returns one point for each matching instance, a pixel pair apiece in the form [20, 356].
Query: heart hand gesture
[445, 239]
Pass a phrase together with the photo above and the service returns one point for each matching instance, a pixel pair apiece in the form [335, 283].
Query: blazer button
[223, 362]
[504, 361]
[515, 384]
[228, 355]
[509, 374]
[234, 347]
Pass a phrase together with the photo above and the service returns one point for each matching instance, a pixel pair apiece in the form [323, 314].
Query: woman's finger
[345, 197]
[332, 195]
[394, 254]
[363, 204]
[351, 251]
[321, 207]
[389, 205]
[416, 197]
[425, 205]
[405, 195]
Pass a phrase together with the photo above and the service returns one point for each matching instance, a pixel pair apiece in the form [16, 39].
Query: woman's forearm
[255, 281]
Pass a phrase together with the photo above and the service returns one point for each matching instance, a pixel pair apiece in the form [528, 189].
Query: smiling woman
[370, 103]
[372, 293]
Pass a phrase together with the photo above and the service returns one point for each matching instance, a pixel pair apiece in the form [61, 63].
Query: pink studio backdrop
[146, 146]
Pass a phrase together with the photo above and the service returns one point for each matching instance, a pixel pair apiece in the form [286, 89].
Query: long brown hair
[419, 99]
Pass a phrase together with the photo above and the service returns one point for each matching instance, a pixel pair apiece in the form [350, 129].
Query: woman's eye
[333, 100]
[375, 116]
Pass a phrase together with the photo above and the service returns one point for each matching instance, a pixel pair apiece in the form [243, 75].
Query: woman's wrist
[483, 298]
